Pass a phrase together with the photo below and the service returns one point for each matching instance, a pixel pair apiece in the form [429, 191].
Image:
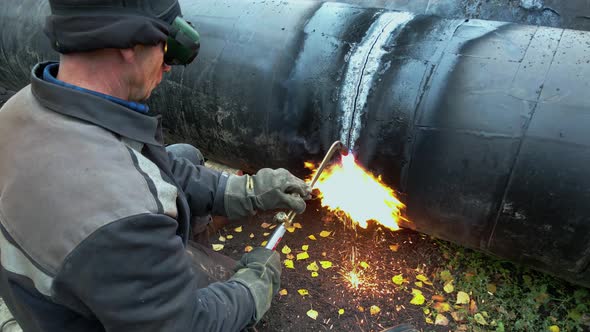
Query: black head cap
[86, 25]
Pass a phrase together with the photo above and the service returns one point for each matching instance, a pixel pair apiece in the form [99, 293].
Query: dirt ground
[380, 255]
[406, 277]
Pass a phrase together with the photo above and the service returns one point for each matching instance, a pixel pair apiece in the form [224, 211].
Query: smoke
[531, 4]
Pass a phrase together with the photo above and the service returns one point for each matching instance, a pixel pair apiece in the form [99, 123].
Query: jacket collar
[94, 109]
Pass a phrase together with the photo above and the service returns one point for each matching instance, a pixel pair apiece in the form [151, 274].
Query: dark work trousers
[217, 266]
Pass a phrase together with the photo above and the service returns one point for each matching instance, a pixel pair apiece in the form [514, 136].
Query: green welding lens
[183, 43]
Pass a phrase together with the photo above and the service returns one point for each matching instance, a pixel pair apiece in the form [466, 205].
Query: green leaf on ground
[418, 298]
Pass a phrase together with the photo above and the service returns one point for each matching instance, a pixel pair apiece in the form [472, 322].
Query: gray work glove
[268, 189]
[260, 271]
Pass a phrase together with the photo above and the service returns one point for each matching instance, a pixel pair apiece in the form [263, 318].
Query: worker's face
[148, 70]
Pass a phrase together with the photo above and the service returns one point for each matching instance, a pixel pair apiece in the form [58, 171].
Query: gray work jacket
[94, 218]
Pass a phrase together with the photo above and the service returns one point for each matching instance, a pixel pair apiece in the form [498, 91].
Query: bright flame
[309, 165]
[347, 187]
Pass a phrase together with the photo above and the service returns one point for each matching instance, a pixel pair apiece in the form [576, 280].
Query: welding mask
[86, 25]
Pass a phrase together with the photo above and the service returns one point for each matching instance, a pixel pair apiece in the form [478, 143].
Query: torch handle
[277, 235]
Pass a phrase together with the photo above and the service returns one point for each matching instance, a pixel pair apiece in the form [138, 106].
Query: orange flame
[347, 187]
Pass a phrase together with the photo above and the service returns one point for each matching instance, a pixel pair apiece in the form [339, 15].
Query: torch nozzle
[280, 231]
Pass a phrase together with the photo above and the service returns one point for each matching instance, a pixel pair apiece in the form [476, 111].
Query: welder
[96, 213]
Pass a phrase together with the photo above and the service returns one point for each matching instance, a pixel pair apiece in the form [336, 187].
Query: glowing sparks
[353, 278]
[348, 188]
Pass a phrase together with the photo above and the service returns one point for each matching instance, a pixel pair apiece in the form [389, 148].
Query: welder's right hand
[267, 189]
[260, 272]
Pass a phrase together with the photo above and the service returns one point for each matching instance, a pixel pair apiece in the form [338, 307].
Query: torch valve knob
[280, 217]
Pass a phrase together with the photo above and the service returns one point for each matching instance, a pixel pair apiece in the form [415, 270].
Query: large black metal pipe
[481, 125]
[572, 14]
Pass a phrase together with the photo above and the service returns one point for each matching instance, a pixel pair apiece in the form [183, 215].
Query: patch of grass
[514, 298]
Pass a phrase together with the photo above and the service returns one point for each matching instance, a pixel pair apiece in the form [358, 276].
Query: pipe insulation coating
[482, 125]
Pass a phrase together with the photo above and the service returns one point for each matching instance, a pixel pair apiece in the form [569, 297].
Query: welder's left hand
[260, 271]
[267, 189]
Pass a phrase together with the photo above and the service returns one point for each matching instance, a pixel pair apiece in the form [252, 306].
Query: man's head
[138, 39]
[143, 68]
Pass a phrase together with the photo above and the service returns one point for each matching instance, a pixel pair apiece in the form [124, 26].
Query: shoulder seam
[149, 183]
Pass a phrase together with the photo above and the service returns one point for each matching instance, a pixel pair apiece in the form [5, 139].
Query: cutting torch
[286, 219]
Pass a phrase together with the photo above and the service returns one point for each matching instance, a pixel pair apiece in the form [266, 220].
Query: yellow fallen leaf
[248, 248]
[229, 237]
[314, 274]
[428, 320]
[441, 320]
[424, 279]
[394, 247]
[217, 247]
[375, 310]
[418, 283]
[263, 243]
[238, 229]
[326, 264]
[290, 256]
[442, 307]
[438, 298]
[313, 267]
[290, 229]
[426, 311]
[222, 238]
[449, 288]
[325, 233]
[286, 250]
[492, 288]
[479, 319]
[289, 264]
[265, 225]
[361, 308]
[340, 312]
[312, 314]
[303, 255]
[265, 234]
[446, 276]
[283, 292]
[472, 307]
[304, 247]
[418, 298]
[462, 298]
[398, 279]
[459, 316]
[302, 292]
[312, 237]
[364, 265]
[297, 225]
[251, 235]
[553, 328]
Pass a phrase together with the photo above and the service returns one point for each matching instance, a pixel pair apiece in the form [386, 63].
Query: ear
[128, 54]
